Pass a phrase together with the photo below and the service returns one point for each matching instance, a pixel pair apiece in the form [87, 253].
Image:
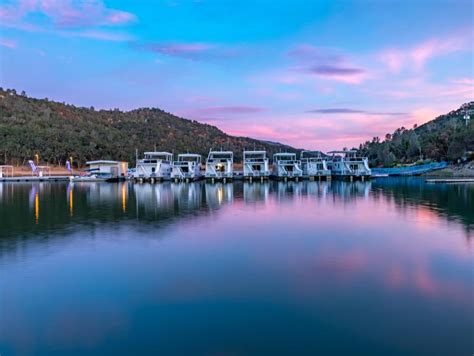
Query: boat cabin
[220, 165]
[255, 164]
[188, 166]
[154, 165]
[285, 165]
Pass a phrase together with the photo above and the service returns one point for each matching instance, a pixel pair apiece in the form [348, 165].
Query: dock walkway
[450, 180]
[35, 179]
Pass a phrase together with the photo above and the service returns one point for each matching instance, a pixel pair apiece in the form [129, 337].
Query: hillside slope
[447, 137]
[57, 131]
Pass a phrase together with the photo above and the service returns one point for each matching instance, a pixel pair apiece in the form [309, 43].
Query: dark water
[377, 268]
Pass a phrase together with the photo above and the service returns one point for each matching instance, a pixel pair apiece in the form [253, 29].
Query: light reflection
[124, 198]
[70, 198]
[37, 207]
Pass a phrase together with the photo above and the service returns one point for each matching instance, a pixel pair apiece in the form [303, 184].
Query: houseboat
[286, 166]
[314, 165]
[187, 167]
[220, 165]
[154, 166]
[103, 171]
[347, 164]
[256, 165]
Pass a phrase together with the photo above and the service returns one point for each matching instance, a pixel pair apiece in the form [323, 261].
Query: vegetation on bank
[57, 131]
[445, 138]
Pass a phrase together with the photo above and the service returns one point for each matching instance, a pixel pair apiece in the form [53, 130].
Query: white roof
[104, 162]
[158, 153]
[221, 152]
[189, 155]
[255, 152]
[284, 154]
[346, 151]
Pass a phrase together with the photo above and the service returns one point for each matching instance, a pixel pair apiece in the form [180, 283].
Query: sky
[313, 74]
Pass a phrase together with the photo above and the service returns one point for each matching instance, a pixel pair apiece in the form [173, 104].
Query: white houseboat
[314, 165]
[220, 165]
[187, 167]
[347, 164]
[154, 166]
[256, 165]
[286, 166]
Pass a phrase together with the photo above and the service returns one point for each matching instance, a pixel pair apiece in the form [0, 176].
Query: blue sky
[314, 74]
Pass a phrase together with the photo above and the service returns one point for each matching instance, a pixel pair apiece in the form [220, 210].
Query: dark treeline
[56, 131]
[445, 138]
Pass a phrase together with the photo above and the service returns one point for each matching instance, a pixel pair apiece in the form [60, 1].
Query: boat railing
[255, 160]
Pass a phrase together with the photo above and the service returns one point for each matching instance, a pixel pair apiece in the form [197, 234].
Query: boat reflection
[41, 207]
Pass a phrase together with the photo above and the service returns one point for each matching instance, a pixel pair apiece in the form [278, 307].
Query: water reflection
[86, 203]
[316, 264]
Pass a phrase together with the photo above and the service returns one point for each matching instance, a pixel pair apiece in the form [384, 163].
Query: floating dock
[35, 179]
[450, 180]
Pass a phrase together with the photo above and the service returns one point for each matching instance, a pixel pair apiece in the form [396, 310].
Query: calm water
[380, 268]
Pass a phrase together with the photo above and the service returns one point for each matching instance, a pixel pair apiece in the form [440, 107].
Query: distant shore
[464, 170]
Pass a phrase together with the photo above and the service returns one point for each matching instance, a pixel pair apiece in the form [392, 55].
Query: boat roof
[284, 154]
[346, 151]
[189, 155]
[255, 152]
[221, 152]
[102, 162]
[158, 153]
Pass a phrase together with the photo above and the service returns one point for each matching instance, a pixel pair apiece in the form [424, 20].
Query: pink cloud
[216, 110]
[180, 49]
[190, 50]
[99, 35]
[8, 43]
[66, 13]
[418, 55]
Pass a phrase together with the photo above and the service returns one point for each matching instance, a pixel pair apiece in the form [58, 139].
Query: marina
[219, 166]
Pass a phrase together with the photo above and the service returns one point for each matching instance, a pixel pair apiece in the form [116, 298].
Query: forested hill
[445, 138]
[57, 131]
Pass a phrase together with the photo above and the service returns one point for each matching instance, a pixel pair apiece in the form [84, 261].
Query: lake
[333, 268]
